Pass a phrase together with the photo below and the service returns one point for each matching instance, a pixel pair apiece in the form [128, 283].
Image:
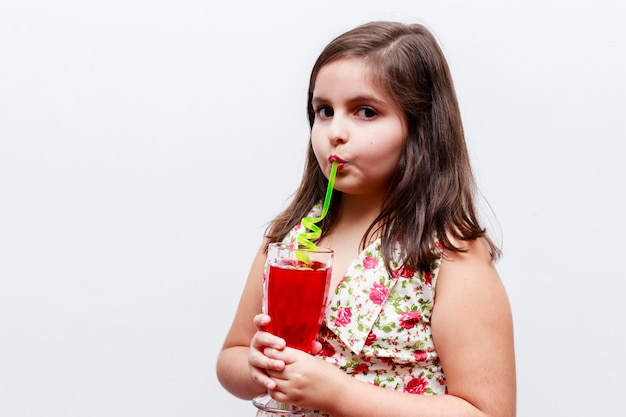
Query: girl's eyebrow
[358, 99]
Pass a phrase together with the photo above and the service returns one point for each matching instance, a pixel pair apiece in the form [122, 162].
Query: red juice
[296, 299]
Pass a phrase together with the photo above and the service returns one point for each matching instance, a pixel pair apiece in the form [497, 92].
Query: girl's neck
[358, 210]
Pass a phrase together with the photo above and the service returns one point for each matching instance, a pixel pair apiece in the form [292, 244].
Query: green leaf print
[419, 345]
[387, 328]
[352, 363]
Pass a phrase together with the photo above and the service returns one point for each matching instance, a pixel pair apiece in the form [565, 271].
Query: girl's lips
[340, 162]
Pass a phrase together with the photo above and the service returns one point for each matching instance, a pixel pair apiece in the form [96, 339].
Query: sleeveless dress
[377, 327]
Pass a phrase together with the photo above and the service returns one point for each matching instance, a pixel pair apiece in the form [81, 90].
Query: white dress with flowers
[377, 327]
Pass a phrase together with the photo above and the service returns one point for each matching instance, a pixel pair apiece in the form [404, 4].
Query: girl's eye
[367, 112]
[324, 112]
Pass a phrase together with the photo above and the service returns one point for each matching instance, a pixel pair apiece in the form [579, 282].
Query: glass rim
[295, 247]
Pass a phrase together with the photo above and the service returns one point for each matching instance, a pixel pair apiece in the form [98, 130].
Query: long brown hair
[432, 195]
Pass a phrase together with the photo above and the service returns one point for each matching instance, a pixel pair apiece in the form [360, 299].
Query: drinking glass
[296, 282]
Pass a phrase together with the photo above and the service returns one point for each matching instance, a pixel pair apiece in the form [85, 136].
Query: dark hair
[432, 195]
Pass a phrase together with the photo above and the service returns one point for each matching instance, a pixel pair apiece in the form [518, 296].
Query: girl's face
[357, 124]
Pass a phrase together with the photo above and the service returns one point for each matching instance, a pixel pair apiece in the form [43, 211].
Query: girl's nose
[337, 131]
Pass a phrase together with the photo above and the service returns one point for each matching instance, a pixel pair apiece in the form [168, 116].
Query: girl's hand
[316, 348]
[259, 363]
[305, 380]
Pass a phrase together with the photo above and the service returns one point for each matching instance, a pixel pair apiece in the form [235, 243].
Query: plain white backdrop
[145, 144]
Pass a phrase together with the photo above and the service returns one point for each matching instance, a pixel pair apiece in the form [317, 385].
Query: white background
[145, 144]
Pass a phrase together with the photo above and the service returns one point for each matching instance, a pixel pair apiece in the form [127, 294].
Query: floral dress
[377, 327]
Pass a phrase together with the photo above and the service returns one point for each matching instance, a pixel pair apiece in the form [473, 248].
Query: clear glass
[296, 284]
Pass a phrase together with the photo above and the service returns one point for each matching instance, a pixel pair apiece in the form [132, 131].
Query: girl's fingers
[263, 338]
[262, 378]
[316, 348]
[261, 321]
[260, 363]
[258, 360]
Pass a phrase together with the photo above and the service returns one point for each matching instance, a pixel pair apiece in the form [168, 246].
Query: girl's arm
[472, 329]
[243, 344]
[473, 334]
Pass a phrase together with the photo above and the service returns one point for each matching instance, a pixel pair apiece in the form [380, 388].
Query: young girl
[418, 322]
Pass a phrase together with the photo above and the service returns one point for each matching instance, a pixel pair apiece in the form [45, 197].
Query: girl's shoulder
[469, 274]
[469, 252]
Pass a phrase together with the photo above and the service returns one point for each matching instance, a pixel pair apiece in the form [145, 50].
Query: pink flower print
[369, 262]
[410, 318]
[371, 338]
[362, 368]
[420, 355]
[378, 293]
[416, 386]
[428, 278]
[344, 317]
[388, 361]
[404, 272]
[327, 349]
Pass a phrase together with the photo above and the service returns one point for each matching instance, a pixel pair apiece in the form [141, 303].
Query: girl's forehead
[345, 73]
[349, 65]
[348, 76]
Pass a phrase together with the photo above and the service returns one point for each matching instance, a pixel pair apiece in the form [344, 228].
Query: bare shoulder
[469, 280]
[470, 266]
[471, 251]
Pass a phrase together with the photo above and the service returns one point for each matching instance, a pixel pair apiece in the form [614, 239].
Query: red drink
[296, 299]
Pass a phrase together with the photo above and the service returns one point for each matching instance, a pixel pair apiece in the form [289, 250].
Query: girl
[418, 306]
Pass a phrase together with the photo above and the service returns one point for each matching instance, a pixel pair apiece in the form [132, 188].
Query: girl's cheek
[319, 153]
[317, 143]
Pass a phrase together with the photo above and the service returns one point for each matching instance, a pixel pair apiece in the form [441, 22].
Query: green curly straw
[304, 239]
